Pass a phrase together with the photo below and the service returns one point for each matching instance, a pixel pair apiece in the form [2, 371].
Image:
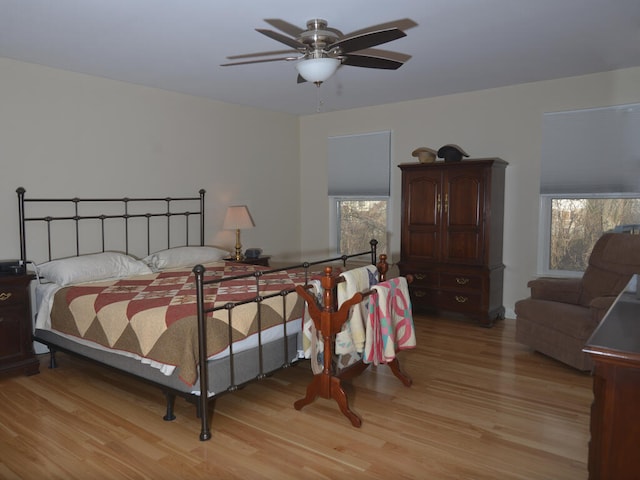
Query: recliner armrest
[565, 290]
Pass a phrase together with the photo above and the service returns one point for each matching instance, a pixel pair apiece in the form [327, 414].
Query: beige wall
[65, 133]
[68, 134]
[504, 122]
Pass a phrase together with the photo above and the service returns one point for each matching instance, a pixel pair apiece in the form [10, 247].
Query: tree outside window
[360, 220]
[577, 223]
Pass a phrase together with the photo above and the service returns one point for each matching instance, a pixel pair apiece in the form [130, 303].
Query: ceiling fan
[320, 50]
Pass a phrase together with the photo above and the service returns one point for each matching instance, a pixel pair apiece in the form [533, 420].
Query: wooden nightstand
[16, 344]
[261, 260]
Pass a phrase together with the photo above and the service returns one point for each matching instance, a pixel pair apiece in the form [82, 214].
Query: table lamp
[238, 218]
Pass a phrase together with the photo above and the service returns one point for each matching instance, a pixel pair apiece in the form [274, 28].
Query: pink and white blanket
[389, 325]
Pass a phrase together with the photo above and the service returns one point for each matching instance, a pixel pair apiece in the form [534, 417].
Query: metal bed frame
[203, 400]
[128, 218]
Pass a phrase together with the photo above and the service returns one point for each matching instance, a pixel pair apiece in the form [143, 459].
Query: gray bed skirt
[246, 364]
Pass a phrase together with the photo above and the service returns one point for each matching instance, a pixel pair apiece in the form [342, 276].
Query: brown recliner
[562, 313]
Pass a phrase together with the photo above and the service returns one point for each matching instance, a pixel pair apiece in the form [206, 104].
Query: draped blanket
[352, 338]
[389, 323]
[154, 316]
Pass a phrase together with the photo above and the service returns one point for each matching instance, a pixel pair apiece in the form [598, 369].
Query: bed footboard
[202, 311]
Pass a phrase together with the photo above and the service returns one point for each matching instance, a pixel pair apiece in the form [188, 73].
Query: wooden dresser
[615, 414]
[16, 345]
[451, 238]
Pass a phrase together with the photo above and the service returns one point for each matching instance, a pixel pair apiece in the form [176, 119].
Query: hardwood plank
[481, 407]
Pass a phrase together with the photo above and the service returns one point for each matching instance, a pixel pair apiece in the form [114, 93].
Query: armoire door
[463, 207]
[422, 205]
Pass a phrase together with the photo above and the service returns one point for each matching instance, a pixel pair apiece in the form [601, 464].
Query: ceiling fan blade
[285, 27]
[259, 61]
[292, 42]
[366, 61]
[403, 24]
[366, 40]
[375, 52]
[301, 79]
[263, 54]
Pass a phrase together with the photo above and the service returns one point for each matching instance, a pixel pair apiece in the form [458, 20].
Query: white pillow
[93, 267]
[184, 257]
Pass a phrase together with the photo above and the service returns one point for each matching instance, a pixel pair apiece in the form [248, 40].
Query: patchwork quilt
[154, 316]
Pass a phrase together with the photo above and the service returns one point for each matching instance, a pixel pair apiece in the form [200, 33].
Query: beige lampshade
[237, 218]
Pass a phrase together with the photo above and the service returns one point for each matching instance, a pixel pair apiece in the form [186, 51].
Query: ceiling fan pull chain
[319, 103]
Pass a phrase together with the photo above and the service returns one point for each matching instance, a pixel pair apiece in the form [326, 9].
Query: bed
[110, 291]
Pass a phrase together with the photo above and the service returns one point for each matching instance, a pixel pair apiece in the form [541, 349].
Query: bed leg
[205, 412]
[171, 400]
[52, 358]
[210, 406]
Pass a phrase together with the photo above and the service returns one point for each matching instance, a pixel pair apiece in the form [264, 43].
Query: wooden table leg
[394, 365]
[328, 387]
[340, 397]
[313, 390]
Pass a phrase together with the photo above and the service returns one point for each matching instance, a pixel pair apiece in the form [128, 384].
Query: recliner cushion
[572, 320]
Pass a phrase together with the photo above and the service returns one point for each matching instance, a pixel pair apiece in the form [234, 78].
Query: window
[358, 174]
[358, 221]
[589, 182]
[573, 223]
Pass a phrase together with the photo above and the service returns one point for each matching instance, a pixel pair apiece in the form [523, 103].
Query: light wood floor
[481, 407]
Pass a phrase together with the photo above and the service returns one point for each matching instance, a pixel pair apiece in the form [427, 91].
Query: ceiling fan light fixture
[317, 69]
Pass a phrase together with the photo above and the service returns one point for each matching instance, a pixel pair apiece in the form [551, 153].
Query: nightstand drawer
[12, 295]
[11, 341]
[16, 346]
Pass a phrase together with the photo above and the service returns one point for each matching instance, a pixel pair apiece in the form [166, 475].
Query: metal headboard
[126, 215]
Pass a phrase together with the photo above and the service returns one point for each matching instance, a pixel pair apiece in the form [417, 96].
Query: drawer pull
[420, 276]
[462, 280]
[461, 299]
[419, 293]
[4, 296]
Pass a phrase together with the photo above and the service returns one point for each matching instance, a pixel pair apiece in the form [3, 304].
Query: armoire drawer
[459, 300]
[458, 280]
[422, 295]
[424, 278]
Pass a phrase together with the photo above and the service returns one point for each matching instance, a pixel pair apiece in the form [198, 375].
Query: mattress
[255, 354]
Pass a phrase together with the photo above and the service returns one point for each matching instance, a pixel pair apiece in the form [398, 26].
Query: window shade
[359, 164]
[591, 151]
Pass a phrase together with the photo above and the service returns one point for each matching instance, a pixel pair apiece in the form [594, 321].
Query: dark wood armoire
[451, 238]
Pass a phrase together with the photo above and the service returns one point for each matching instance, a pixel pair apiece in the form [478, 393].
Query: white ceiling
[458, 45]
